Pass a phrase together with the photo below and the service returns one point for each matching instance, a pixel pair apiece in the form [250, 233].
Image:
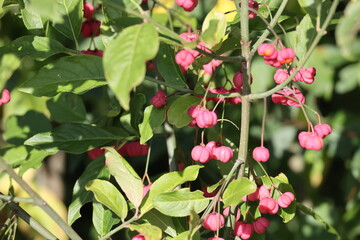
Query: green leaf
[96, 169]
[32, 20]
[125, 176]
[46, 9]
[33, 160]
[309, 6]
[20, 128]
[168, 182]
[165, 223]
[103, 219]
[125, 57]
[168, 68]
[180, 203]
[153, 118]
[349, 78]
[38, 48]
[76, 74]
[213, 28]
[106, 193]
[149, 231]
[136, 109]
[9, 63]
[72, 18]
[304, 36]
[72, 138]
[236, 190]
[348, 28]
[177, 113]
[67, 107]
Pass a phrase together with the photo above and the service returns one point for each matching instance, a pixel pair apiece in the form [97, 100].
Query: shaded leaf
[165, 223]
[96, 169]
[153, 118]
[136, 109]
[177, 113]
[76, 74]
[9, 63]
[72, 18]
[67, 107]
[38, 48]
[72, 138]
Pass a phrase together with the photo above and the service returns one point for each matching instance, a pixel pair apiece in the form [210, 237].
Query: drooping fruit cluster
[202, 117]
[90, 27]
[314, 140]
[288, 97]
[212, 150]
[159, 100]
[266, 205]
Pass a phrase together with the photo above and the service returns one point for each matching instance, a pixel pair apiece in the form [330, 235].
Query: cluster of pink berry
[5, 97]
[314, 140]
[212, 150]
[131, 149]
[187, 5]
[159, 100]
[202, 117]
[90, 27]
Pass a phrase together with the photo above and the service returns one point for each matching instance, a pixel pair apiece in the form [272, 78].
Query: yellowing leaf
[224, 6]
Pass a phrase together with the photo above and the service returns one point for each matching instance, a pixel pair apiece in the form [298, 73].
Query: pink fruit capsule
[214, 221]
[261, 154]
[138, 237]
[280, 76]
[261, 224]
[88, 10]
[200, 153]
[285, 199]
[244, 230]
[223, 153]
[5, 97]
[322, 130]
[286, 55]
[206, 119]
[268, 205]
[159, 100]
[187, 5]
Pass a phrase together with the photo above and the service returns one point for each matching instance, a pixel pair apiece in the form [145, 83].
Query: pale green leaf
[149, 231]
[153, 118]
[102, 218]
[168, 182]
[106, 193]
[180, 203]
[213, 28]
[125, 57]
[72, 18]
[236, 190]
[125, 176]
[165, 223]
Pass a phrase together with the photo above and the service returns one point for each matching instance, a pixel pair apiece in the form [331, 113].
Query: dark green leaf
[177, 113]
[96, 169]
[125, 176]
[72, 18]
[72, 138]
[38, 48]
[168, 68]
[76, 74]
[32, 20]
[136, 109]
[67, 107]
[125, 57]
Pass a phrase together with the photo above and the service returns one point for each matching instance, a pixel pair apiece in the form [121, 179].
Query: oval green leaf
[236, 190]
[180, 203]
[177, 113]
[125, 176]
[149, 231]
[76, 74]
[107, 194]
[125, 57]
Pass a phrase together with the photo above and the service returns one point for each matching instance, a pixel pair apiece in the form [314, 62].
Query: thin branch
[39, 201]
[15, 199]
